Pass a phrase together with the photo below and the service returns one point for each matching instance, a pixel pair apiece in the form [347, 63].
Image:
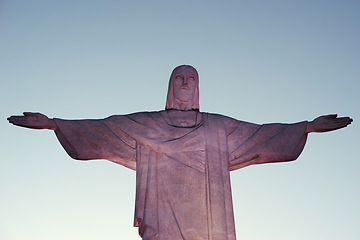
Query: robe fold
[182, 173]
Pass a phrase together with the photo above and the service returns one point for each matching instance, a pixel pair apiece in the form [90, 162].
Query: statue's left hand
[327, 123]
[33, 120]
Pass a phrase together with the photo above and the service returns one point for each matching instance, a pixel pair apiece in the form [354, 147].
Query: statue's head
[183, 92]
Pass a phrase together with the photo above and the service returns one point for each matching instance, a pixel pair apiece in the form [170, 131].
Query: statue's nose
[184, 81]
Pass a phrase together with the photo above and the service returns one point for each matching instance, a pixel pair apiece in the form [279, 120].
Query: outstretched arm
[327, 123]
[33, 120]
[86, 139]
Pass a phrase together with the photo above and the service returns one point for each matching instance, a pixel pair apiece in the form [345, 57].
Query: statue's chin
[183, 104]
[183, 98]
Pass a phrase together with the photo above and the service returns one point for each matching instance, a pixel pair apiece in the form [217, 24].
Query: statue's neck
[183, 105]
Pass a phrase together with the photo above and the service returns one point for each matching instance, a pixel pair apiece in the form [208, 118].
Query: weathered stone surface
[182, 157]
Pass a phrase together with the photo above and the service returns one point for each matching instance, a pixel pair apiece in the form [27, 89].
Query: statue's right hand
[33, 120]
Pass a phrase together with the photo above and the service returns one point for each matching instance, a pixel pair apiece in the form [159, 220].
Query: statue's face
[184, 84]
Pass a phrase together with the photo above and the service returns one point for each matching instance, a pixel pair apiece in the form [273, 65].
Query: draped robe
[182, 172]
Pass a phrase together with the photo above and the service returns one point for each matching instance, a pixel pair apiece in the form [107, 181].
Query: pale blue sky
[259, 61]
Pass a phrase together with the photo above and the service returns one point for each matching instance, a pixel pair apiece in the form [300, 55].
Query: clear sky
[259, 61]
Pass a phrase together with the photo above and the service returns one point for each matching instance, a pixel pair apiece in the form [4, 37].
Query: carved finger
[338, 128]
[330, 116]
[338, 125]
[344, 120]
[17, 119]
[30, 114]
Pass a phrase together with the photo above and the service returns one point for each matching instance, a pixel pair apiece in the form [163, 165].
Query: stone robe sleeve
[93, 139]
[256, 144]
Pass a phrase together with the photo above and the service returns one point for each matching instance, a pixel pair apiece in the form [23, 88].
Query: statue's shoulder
[218, 117]
[227, 121]
[137, 116]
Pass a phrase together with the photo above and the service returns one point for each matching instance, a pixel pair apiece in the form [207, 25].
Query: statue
[182, 157]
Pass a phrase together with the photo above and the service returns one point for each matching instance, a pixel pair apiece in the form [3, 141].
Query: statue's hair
[170, 96]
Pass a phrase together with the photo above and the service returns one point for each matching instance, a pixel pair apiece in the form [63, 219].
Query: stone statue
[182, 157]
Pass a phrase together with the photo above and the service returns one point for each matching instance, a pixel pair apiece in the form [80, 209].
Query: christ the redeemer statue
[182, 157]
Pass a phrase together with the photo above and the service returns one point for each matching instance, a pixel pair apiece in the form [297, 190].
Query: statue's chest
[184, 118]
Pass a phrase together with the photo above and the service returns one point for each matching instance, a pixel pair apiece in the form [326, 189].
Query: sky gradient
[258, 61]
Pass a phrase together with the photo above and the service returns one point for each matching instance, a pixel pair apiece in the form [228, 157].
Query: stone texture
[182, 157]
